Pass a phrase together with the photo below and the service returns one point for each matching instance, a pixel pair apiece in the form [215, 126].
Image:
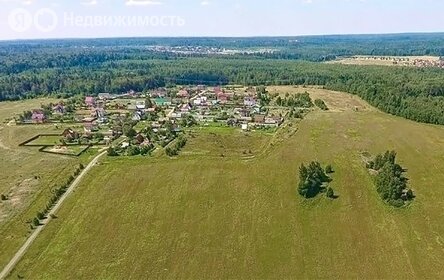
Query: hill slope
[213, 217]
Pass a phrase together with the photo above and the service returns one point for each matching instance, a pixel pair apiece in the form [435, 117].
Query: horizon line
[226, 37]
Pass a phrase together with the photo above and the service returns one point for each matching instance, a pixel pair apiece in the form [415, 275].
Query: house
[160, 92]
[259, 118]
[249, 101]
[70, 135]
[137, 116]
[140, 105]
[273, 121]
[222, 97]
[38, 117]
[59, 109]
[139, 139]
[183, 93]
[200, 101]
[175, 115]
[185, 108]
[90, 101]
[245, 113]
[104, 96]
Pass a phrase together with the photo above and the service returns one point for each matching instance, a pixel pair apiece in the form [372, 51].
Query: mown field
[202, 216]
[27, 176]
[382, 60]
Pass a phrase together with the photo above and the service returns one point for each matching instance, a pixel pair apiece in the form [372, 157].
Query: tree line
[413, 93]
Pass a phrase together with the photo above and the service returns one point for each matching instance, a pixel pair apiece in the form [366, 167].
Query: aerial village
[149, 120]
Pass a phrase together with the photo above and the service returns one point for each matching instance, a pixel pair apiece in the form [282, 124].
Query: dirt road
[16, 258]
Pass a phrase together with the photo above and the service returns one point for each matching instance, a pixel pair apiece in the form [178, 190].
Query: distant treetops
[314, 180]
[389, 179]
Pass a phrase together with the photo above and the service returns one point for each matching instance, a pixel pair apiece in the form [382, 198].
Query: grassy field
[225, 142]
[200, 217]
[27, 175]
[382, 60]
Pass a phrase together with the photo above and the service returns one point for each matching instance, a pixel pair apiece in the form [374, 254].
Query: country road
[16, 258]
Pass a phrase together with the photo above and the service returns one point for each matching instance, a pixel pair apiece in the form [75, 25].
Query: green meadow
[219, 211]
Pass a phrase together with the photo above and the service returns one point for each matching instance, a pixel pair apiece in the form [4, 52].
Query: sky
[32, 19]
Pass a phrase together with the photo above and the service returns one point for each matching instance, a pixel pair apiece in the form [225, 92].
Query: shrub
[112, 152]
[329, 169]
[3, 197]
[321, 104]
[40, 215]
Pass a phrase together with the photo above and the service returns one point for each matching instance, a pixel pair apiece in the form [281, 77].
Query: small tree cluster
[131, 150]
[57, 193]
[312, 180]
[295, 113]
[390, 181]
[299, 100]
[188, 121]
[321, 104]
[174, 151]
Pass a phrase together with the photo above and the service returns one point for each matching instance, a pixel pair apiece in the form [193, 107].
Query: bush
[112, 152]
[40, 215]
[329, 169]
[321, 104]
[3, 197]
[36, 222]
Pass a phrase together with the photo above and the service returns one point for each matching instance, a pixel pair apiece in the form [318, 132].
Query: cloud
[205, 3]
[90, 3]
[142, 2]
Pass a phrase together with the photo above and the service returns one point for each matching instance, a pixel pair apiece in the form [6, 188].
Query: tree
[3, 197]
[40, 215]
[112, 152]
[36, 222]
[130, 133]
[311, 179]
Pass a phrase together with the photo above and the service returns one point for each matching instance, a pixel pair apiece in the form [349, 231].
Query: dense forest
[67, 67]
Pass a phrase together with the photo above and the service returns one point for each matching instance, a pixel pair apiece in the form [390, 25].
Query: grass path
[16, 258]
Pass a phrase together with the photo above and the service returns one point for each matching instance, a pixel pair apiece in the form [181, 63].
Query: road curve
[16, 258]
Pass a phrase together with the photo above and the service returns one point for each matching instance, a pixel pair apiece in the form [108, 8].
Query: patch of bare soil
[17, 197]
[59, 149]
